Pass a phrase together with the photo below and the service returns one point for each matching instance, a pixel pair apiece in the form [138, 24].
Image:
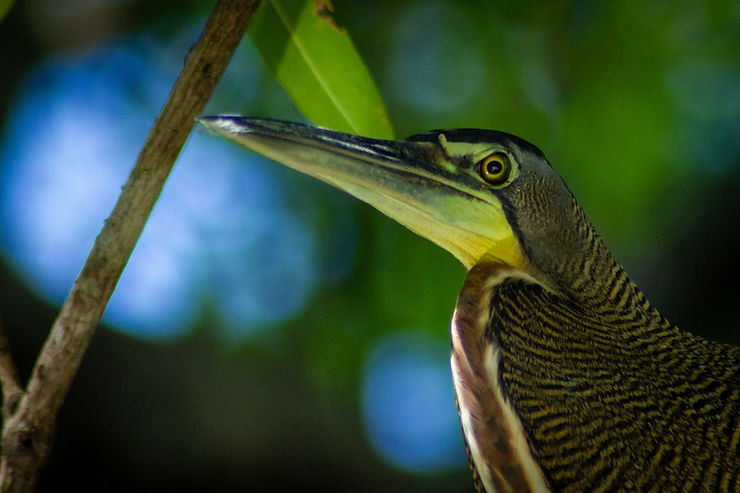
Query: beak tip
[223, 125]
[211, 122]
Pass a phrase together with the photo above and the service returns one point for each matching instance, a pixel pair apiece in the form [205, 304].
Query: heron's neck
[595, 277]
[591, 275]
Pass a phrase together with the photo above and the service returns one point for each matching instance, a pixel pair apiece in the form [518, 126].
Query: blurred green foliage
[5, 6]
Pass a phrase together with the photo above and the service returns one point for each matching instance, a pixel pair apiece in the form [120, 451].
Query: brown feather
[497, 448]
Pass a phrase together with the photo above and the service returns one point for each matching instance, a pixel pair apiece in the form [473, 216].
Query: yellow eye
[495, 168]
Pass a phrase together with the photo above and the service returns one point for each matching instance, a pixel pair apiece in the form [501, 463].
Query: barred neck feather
[581, 267]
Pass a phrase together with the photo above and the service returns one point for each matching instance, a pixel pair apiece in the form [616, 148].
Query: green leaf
[5, 7]
[319, 67]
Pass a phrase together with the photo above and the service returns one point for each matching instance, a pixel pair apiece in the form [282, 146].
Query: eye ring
[495, 168]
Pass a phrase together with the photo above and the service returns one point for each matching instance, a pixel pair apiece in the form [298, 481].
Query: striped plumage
[633, 405]
[610, 395]
[566, 377]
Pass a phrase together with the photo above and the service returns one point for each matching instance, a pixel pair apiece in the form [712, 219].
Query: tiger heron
[566, 377]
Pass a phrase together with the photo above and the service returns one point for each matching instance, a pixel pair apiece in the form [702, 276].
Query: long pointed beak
[410, 181]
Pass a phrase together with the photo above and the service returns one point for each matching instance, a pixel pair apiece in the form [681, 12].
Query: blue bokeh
[220, 236]
[408, 404]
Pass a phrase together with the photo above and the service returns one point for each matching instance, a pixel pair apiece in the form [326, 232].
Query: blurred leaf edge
[317, 64]
[5, 6]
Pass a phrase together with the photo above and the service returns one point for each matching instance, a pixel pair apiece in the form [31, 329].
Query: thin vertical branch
[28, 430]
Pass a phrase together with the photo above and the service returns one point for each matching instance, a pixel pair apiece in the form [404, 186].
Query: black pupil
[494, 167]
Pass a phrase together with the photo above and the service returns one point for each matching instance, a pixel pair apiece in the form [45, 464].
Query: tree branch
[27, 432]
[11, 389]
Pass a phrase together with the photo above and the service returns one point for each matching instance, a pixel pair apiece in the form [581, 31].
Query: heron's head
[480, 194]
